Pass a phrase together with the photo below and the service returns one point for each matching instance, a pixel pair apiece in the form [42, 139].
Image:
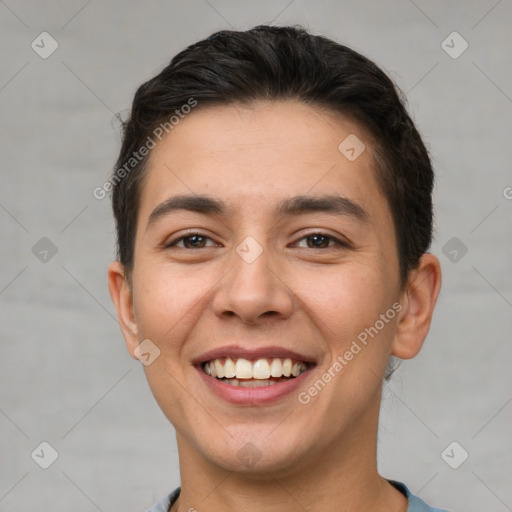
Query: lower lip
[252, 396]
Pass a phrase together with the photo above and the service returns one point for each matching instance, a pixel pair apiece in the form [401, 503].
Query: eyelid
[188, 233]
[336, 237]
[338, 240]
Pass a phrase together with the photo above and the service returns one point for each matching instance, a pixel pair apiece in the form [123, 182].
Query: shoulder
[165, 504]
[415, 504]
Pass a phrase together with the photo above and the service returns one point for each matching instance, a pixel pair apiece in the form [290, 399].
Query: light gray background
[65, 376]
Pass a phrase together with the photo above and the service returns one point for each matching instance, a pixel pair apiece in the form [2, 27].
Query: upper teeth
[260, 369]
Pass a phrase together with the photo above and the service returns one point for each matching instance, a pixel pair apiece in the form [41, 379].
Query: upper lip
[237, 352]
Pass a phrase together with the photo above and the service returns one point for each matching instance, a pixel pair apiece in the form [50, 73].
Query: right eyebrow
[194, 203]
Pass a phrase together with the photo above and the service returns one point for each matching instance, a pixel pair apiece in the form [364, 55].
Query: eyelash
[337, 242]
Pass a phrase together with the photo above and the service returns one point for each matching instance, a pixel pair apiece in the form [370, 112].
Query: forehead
[254, 156]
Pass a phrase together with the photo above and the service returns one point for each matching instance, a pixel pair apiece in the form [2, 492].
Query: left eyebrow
[336, 204]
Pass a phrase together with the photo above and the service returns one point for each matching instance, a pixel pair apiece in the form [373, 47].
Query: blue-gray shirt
[415, 504]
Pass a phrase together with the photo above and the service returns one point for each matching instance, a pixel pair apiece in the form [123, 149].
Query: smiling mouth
[240, 372]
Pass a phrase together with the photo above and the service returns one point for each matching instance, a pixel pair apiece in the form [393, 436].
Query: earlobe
[418, 299]
[122, 297]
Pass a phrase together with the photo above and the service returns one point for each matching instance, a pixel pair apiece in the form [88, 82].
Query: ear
[418, 300]
[122, 297]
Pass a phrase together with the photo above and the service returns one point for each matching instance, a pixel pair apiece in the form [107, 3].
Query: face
[262, 249]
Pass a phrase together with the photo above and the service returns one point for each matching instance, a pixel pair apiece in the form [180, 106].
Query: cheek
[165, 303]
[346, 305]
[345, 300]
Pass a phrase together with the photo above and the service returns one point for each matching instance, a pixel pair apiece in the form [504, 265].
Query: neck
[341, 478]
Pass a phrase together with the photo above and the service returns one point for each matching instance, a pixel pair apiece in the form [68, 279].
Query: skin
[318, 456]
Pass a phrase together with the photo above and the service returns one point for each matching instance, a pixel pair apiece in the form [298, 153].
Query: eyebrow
[297, 205]
[193, 203]
[336, 204]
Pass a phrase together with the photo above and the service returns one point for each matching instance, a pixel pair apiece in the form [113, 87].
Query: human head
[260, 165]
[278, 63]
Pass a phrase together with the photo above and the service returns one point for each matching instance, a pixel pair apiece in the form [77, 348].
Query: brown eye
[194, 241]
[191, 241]
[318, 241]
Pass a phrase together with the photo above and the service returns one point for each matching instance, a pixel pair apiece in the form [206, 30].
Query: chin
[257, 458]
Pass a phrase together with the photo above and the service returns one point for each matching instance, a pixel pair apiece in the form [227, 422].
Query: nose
[253, 292]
